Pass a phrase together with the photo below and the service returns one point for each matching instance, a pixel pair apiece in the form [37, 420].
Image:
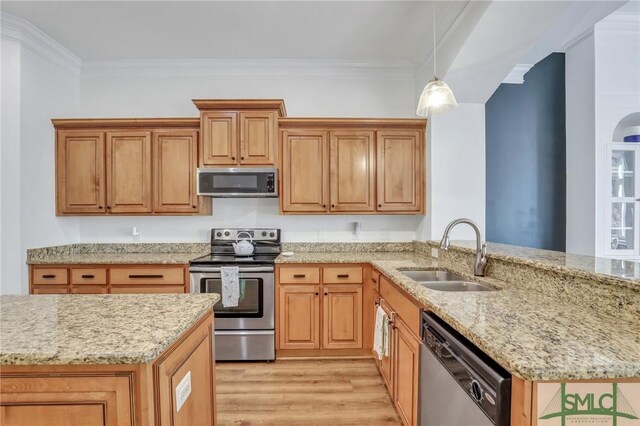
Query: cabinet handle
[343, 275]
[88, 276]
[49, 276]
[145, 276]
[299, 275]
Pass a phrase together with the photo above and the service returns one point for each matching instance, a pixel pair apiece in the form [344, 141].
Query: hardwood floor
[303, 392]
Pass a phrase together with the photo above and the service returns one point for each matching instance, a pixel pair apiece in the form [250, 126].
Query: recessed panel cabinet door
[175, 156]
[406, 363]
[400, 171]
[219, 132]
[305, 180]
[298, 316]
[352, 169]
[258, 136]
[342, 317]
[129, 172]
[386, 363]
[80, 186]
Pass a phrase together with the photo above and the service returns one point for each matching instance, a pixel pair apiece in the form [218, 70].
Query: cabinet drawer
[148, 289]
[375, 279]
[342, 275]
[90, 289]
[50, 276]
[302, 275]
[95, 276]
[401, 304]
[50, 289]
[147, 275]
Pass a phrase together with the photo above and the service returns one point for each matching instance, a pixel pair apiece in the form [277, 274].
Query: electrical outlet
[434, 252]
[183, 390]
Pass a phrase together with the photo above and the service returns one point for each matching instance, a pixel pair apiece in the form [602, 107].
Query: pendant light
[437, 97]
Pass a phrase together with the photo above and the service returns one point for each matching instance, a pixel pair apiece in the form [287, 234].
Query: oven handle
[241, 270]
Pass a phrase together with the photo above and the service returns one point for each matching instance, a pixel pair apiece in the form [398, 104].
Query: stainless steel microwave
[238, 182]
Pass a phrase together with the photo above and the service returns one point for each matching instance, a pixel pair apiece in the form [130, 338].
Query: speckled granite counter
[140, 253]
[534, 336]
[95, 329]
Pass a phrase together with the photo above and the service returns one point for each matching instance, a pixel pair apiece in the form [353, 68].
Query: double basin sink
[445, 281]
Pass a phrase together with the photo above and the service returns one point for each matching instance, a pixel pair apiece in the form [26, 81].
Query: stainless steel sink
[455, 286]
[445, 281]
[433, 276]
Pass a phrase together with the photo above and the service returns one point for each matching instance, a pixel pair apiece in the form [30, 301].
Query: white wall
[337, 93]
[457, 171]
[581, 162]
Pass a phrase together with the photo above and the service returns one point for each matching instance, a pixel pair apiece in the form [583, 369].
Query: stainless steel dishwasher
[459, 384]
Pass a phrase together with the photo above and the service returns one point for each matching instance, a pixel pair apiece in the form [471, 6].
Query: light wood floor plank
[303, 392]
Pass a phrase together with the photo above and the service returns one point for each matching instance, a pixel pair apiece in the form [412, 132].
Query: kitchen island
[107, 359]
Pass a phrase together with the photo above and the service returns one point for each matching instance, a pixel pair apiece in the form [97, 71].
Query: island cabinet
[127, 167]
[175, 389]
[345, 166]
[104, 279]
[400, 369]
[319, 310]
[239, 132]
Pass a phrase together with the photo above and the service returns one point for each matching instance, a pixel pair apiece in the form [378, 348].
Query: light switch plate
[183, 390]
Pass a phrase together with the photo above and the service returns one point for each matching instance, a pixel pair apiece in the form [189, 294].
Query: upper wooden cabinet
[352, 166]
[239, 132]
[127, 166]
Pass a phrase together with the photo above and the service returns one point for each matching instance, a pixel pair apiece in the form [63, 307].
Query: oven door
[255, 310]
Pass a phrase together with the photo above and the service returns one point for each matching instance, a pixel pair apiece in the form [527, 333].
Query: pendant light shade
[436, 98]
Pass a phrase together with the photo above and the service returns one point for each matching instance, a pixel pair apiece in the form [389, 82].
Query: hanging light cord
[435, 74]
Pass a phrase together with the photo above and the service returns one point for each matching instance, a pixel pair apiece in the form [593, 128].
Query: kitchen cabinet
[399, 168]
[129, 172]
[239, 132]
[105, 279]
[347, 166]
[325, 317]
[304, 172]
[406, 359]
[175, 156]
[80, 179]
[127, 167]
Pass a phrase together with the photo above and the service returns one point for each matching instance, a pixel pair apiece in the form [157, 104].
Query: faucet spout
[481, 248]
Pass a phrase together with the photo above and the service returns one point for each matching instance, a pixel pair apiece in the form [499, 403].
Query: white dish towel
[381, 336]
[230, 285]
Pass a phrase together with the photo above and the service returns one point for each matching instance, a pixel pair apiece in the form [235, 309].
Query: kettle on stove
[243, 247]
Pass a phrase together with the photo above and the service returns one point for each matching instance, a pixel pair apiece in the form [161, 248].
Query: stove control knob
[218, 234]
[226, 233]
[272, 234]
[264, 233]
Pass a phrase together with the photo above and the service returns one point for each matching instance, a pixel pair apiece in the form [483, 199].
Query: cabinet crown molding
[360, 123]
[241, 104]
[88, 123]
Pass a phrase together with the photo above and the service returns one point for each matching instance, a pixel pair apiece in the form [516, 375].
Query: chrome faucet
[481, 248]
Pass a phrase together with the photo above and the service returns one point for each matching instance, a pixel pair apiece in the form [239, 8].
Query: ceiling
[320, 30]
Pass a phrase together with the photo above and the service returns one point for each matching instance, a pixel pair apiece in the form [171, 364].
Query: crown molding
[248, 68]
[516, 76]
[241, 104]
[21, 31]
[100, 123]
[358, 123]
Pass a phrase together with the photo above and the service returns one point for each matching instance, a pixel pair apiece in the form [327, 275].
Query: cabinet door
[406, 356]
[305, 180]
[299, 317]
[400, 171]
[385, 364]
[258, 136]
[175, 157]
[129, 172]
[219, 138]
[89, 289]
[342, 317]
[80, 181]
[352, 169]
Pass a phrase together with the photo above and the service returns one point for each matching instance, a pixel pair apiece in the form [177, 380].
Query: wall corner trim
[28, 35]
[516, 76]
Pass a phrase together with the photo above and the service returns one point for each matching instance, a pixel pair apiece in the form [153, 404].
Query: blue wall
[526, 159]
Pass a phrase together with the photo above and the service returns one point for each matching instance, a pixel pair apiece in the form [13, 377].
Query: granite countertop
[535, 337]
[95, 329]
[98, 254]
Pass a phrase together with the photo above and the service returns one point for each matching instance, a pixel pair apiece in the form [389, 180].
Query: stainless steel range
[246, 331]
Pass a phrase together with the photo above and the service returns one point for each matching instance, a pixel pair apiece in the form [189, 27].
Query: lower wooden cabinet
[104, 279]
[119, 394]
[323, 316]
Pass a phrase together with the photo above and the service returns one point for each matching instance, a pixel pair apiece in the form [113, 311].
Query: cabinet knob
[100, 207]
[242, 158]
[108, 207]
[194, 206]
[324, 206]
[317, 294]
[333, 205]
[326, 294]
[233, 158]
[379, 205]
